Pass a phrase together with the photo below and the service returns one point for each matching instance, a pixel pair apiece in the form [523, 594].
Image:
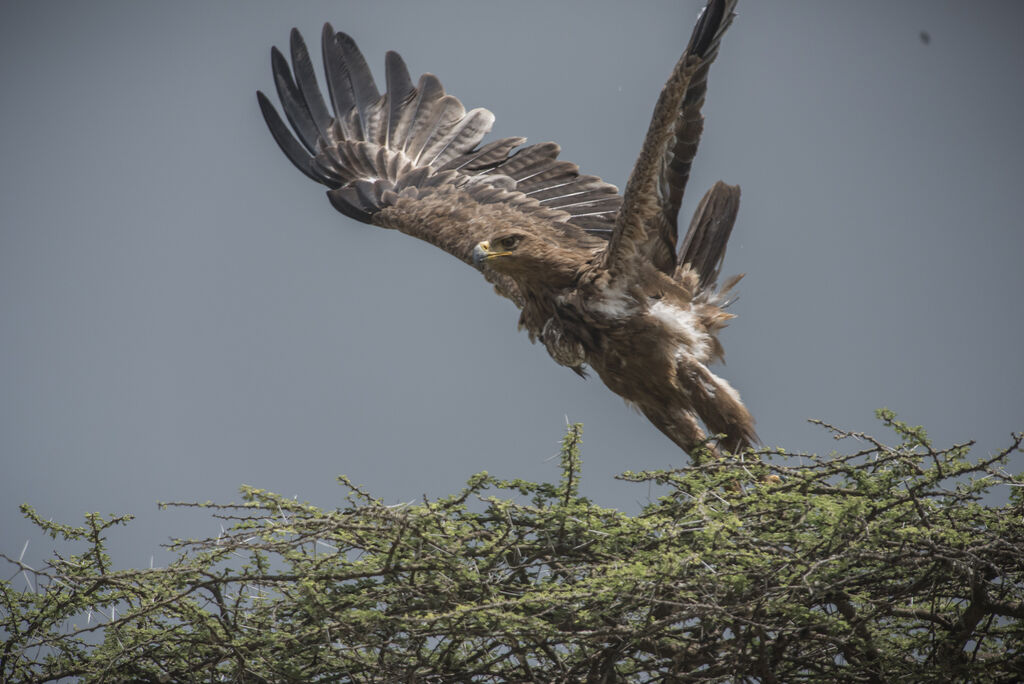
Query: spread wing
[646, 227]
[411, 159]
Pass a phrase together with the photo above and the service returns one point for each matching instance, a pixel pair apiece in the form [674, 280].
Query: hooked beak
[481, 252]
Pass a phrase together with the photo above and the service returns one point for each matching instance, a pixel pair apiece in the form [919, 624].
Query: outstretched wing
[646, 227]
[410, 159]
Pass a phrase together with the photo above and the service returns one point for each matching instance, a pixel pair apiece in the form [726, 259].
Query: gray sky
[181, 311]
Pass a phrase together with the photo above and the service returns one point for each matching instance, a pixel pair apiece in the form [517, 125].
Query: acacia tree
[881, 564]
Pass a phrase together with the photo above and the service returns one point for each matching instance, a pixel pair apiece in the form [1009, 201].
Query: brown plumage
[598, 276]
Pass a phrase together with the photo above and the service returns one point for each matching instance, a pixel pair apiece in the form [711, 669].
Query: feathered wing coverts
[415, 138]
[411, 159]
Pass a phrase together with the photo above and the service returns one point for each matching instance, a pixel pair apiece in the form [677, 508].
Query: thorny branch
[876, 565]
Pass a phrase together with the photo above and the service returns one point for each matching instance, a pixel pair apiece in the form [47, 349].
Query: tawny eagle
[598, 276]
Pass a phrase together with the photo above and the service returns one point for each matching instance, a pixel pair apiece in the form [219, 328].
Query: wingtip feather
[291, 147]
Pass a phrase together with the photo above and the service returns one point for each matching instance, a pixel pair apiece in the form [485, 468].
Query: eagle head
[526, 257]
[498, 248]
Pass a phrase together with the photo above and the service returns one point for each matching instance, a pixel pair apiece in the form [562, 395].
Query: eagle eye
[509, 242]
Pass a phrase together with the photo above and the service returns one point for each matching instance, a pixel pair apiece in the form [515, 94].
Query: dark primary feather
[709, 27]
[291, 147]
[305, 79]
[646, 225]
[400, 90]
[349, 82]
[679, 154]
[295, 106]
[703, 248]
[383, 139]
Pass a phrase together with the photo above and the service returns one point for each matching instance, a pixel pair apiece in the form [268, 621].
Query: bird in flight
[601, 279]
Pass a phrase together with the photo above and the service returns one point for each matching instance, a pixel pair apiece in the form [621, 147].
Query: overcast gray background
[181, 311]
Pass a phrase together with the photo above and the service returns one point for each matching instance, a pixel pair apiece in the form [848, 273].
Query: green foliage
[877, 565]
